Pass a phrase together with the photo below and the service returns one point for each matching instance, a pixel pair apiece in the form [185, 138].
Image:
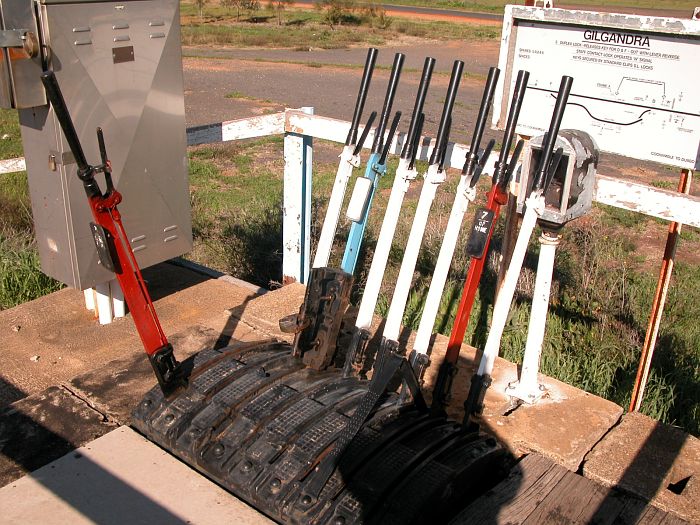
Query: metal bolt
[218, 450]
[169, 418]
[306, 500]
[339, 520]
[275, 485]
[146, 403]
[246, 466]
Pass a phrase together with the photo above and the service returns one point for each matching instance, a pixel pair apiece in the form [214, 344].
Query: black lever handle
[556, 159]
[442, 154]
[365, 132]
[428, 66]
[486, 100]
[390, 138]
[106, 167]
[388, 102]
[447, 111]
[415, 144]
[53, 92]
[516, 104]
[362, 95]
[550, 137]
[504, 179]
[482, 163]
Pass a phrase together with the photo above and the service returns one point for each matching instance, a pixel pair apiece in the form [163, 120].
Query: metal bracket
[320, 316]
[20, 38]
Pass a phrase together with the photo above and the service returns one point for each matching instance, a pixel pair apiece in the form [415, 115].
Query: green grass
[496, 6]
[10, 138]
[236, 198]
[20, 275]
[306, 29]
[242, 96]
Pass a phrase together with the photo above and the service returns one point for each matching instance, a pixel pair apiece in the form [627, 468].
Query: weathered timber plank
[540, 492]
[573, 500]
[246, 128]
[336, 130]
[653, 515]
[515, 498]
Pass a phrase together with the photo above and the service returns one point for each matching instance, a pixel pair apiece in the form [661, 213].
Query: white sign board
[636, 83]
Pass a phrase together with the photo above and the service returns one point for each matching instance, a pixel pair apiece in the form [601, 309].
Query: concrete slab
[121, 478]
[562, 426]
[265, 311]
[652, 460]
[43, 427]
[117, 387]
[54, 338]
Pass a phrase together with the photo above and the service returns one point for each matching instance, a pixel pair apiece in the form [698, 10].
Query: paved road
[322, 79]
[332, 88]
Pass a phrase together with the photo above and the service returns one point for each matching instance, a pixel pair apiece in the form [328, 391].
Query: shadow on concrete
[168, 277]
[235, 316]
[28, 444]
[648, 473]
[9, 393]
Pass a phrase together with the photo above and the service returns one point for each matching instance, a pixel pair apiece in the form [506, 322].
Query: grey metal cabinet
[120, 68]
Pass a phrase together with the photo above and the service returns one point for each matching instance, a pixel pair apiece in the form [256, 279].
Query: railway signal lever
[547, 164]
[113, 247]
[478, 243]
[568, 195]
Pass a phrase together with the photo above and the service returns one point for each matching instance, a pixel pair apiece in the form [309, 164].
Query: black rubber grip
[486, 100]
[515, 104]
[505, 178]
[443, 148]
[362, 95]
[415, 143]
[482, 163]
[551, 135]
[53, 92]
[447, 110]
[428, 66]
[388, 102]
[365, 132]
[390, 138]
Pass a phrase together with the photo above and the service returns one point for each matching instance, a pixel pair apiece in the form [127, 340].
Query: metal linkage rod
[466, 193]
[482, 230]
[113, 246]
[405, 173]
[534, 208]
[365, 187]
[433, 178]
[349, 159]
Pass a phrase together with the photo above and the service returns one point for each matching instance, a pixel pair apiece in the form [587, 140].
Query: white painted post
[118, 305]
[527, 388]
[89, 295]
[103, 303]
[306, 200]
[296, 210]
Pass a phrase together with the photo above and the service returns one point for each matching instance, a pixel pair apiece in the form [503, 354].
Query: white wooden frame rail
[300, 126]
